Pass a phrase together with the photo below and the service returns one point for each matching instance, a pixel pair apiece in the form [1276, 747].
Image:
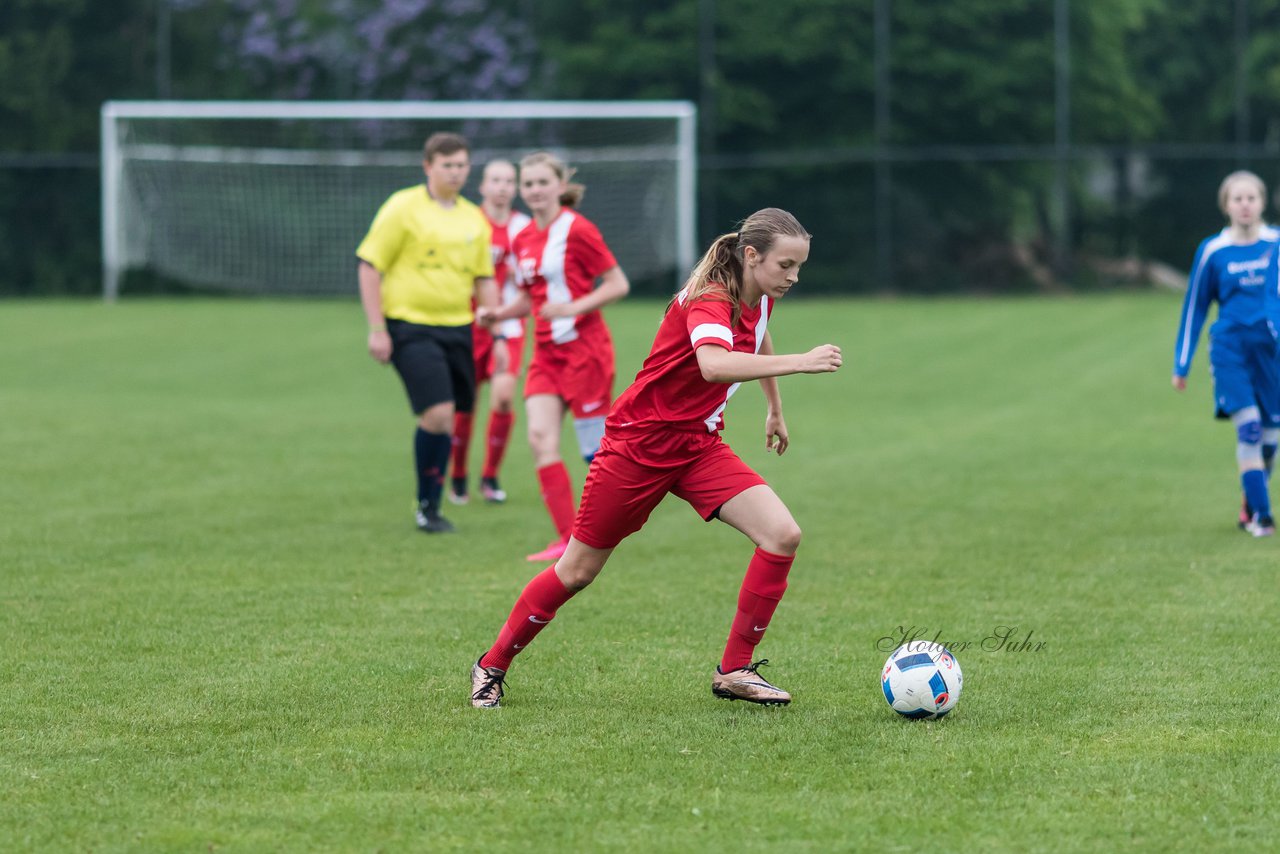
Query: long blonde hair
[573, 193]
[721, 264]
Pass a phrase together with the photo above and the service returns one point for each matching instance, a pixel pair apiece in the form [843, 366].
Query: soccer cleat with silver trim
[457, 491]
[746, 683]
[486, 686]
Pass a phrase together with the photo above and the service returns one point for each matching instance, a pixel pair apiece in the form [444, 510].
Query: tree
[795, 89]
[55, 76]
[370, 49]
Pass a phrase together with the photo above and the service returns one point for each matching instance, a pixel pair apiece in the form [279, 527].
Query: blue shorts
[1246, 373]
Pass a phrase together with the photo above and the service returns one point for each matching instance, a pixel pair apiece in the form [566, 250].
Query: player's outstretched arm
[719, 365]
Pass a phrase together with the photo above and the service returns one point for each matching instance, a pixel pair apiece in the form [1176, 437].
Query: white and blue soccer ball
[922, 679]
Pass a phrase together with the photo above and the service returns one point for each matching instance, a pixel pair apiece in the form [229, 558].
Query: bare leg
[760, 514]
[580, 564]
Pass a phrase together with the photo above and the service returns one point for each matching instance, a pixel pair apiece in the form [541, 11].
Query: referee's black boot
[430, 521]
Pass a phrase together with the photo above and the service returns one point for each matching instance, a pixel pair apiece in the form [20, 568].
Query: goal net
[273, 197]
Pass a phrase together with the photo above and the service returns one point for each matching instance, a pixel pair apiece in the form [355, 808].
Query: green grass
[222, 632]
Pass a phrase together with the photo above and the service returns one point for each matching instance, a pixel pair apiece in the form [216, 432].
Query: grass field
[221, 631]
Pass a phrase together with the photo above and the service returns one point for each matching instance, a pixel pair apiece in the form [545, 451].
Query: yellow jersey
[429, 257]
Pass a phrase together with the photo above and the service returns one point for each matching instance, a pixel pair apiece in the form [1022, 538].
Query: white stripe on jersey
[510, 291]
[761, 328]
[563, 329]
[703, 331]
[516, 224]
[1223, 239]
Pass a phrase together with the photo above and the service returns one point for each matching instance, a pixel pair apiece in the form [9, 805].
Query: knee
[1249, 432]
[541, 439]
[784, 540]
[502, 393]
[437, 419]
[576, 574]
[575, 579]
[1249, 452]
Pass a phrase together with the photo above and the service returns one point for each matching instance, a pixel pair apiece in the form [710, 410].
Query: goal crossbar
[115, 150]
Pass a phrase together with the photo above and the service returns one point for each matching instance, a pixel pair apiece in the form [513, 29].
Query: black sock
[431, 456]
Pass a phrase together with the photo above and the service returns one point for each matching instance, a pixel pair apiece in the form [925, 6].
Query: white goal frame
[683, 112]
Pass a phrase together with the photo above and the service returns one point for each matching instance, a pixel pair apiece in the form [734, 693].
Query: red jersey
[559, 264]
[504, 268]
[669, 393]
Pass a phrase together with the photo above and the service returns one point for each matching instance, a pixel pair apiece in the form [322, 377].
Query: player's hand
[775, 433]
[484, 316]
[552, 310]
[821, 360]
[380, 345]
[1179, 383]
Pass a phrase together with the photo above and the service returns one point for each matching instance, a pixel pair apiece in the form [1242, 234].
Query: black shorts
[435, 364]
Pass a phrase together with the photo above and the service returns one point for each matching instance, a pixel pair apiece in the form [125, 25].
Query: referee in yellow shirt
[426, 253]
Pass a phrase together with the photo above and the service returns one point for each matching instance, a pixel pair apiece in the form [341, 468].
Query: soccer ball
[922, 679]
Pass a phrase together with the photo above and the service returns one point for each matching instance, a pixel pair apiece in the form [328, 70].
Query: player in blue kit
[1235, 268]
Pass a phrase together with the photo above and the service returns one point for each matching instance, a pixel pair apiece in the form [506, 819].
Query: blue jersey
[1239, 278]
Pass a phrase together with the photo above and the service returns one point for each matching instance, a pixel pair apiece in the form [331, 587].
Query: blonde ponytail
[718, 268]
[572, 194]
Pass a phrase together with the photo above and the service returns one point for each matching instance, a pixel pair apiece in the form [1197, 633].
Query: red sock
[762, 590]
[536, 607]
[461, 441]
[499, 431]
[557, 493]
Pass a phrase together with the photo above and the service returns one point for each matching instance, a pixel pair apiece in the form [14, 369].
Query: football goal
[272, 197]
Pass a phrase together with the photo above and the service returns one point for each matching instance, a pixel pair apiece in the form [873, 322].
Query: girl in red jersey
[663, 435]
[498, 351]
[559, 258]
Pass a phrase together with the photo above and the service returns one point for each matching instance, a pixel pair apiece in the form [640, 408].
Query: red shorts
[482, 347]
[581, 376]
[626, 481]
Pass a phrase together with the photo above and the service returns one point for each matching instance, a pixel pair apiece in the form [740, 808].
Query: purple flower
[392, 49]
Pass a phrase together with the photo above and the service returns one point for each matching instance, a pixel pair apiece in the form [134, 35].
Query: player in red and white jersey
[663, 436]
[559, 259]
[497, 192]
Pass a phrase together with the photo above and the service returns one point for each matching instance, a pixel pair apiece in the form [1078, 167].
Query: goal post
[272, 197]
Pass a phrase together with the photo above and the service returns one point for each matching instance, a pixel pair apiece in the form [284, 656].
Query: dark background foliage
[955, 184]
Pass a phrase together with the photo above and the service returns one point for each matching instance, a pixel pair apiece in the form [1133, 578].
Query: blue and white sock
[1254, 482]
[1270, 440]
